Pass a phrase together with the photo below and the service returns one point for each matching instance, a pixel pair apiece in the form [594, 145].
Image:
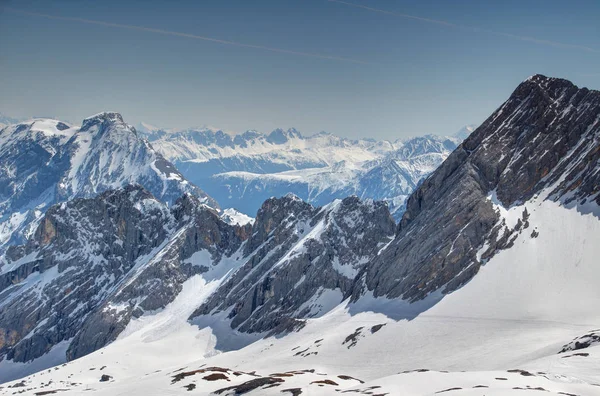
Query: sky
[357, 68]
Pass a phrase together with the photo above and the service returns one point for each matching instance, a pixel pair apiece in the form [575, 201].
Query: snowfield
[500, 334]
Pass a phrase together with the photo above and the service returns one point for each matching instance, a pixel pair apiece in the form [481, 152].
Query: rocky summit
[544, 139]
[93, 264]
[44, 161]
[300, 262]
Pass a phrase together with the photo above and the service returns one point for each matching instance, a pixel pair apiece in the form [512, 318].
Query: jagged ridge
[47, 161]
[545, 137]
[93, 264]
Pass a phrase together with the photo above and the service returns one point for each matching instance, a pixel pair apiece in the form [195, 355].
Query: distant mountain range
[242, 171]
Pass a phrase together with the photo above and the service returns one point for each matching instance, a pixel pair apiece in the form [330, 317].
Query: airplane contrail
[187, 35]
[471, 28]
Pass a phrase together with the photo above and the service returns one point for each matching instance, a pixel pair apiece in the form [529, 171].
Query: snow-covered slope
[545, 136]
[244, 170]
[502, 331]
[45, 161]
[95, 265]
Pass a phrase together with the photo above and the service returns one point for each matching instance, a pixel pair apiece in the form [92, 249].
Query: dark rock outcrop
[545, 137]
[296, 259]
[93, 264]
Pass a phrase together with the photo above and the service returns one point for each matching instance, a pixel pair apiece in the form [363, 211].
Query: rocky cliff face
[43, 162]
[545, 139]
[93, 264]
[300, 262]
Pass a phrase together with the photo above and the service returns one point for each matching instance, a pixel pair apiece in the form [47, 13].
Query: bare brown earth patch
[251, 385]
[282, 375]
[216, 377]
[347, 377]
[524, 373]
[179, 376]
[325, 382]
[293, 391]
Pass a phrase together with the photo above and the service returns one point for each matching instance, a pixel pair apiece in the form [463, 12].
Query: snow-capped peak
[104, 118]
[234, 217]
[279, 136]
[69, 162]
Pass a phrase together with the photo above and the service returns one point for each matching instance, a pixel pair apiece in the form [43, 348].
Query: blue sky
[400, 76]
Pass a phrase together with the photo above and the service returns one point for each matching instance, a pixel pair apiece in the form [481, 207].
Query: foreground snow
[499, 335]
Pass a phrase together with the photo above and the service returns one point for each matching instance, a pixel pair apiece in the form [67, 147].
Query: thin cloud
[187, 35]
[471, 28]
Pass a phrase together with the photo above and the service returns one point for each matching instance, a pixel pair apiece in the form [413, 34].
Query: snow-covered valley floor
[500, 334]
